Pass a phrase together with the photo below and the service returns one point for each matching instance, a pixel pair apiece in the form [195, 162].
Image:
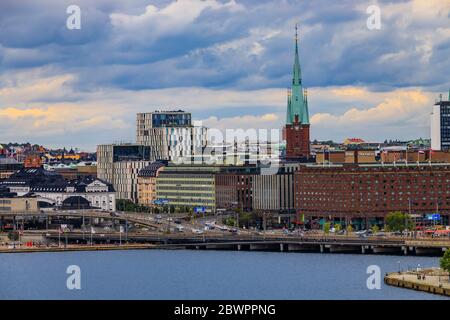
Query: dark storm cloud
[336, 48]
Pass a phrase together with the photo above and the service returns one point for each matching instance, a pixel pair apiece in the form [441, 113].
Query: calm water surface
[161, 274]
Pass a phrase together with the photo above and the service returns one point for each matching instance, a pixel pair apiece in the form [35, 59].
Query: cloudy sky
[228, 62]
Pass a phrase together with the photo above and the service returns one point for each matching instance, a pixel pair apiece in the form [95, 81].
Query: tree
[398, 221]
[445, 261]
[245, 218]
[229, 221]
[326, 227]
[375, 229]
[13, 235]
[337, 227]
[349, 228]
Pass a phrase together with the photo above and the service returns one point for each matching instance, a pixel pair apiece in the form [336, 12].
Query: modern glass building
[440, 125]
[170, 135]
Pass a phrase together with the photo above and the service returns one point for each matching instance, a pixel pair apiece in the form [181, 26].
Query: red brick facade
[363, 191]
[297, 140]
[234, 191]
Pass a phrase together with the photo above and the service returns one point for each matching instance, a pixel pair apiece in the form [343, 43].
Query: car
[363, 235]
[158, 216]
[177, 221]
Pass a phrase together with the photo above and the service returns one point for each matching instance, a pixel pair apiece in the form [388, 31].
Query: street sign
[199, 209]
[161, 201]
[434, 216]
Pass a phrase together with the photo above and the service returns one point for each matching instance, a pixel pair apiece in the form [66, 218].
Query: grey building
[440, 125]
[170, 135]
[275, 192]
[120, 165]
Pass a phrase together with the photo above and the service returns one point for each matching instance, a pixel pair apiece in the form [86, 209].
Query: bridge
[218, 240]
[249, 242]
[137, 219]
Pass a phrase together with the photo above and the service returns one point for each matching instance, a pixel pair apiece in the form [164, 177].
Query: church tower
[296, 131]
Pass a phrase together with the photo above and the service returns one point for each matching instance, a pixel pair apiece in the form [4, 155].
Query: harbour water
[183, 274]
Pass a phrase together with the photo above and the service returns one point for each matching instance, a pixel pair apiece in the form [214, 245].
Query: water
[161, 274]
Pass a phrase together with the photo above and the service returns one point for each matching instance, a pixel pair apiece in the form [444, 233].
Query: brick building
[365, 193]
[234, 187]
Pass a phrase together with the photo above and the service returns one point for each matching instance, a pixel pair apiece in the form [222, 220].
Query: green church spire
[297, 105]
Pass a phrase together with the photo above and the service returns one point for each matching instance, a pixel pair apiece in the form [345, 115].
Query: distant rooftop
[165, 111]
[8, 161]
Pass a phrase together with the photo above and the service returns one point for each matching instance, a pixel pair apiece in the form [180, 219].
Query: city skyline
[61, 87]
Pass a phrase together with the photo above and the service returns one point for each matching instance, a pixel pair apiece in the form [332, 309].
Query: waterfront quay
[94, 230]
[54, 241]
[429, 280]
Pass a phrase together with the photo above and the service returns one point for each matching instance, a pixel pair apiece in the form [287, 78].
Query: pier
[433, 281]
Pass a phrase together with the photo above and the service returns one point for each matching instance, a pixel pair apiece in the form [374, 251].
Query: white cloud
[170, 19]
[402, 113]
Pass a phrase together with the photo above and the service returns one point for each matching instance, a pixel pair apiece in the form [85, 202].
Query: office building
[234, 187]
[275, 192]
[119, 164]
[364, 193]
[147, 183]
[170, 135]
[440, 125]
[188, 186]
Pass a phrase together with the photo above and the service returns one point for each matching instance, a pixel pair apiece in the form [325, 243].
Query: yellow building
[18, 205]
[147, 183]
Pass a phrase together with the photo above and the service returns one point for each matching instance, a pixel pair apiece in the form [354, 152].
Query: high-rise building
[120, 165]
[170, 135]
[296, 131]
[440, 125]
